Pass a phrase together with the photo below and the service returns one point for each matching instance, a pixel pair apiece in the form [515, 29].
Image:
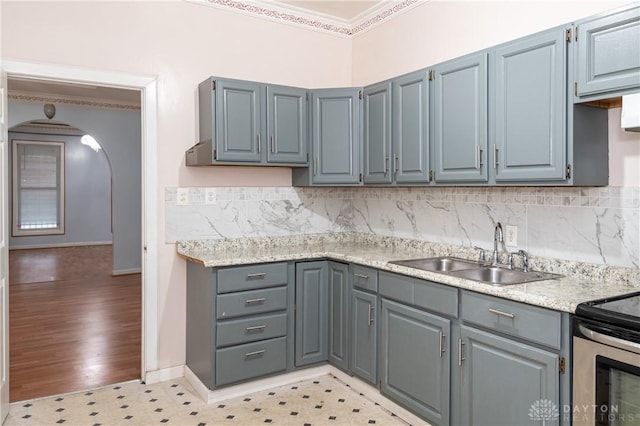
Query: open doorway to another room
[75, 280]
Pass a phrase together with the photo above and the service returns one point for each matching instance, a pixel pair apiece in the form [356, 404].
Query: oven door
[606, 383]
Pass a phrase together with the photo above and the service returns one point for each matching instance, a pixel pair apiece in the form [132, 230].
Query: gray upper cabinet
[607, 52]
[237, 120]
[503, 379]
[411, 128]
[528, 105]
[311, 313]
[377, 133]
[460, 119]
[286, 124]
[249, 123]
[339, 315]
[335, 136]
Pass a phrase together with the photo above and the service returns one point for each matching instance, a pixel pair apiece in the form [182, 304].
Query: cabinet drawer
[424, 294]
[365, 278]
[251, 360]
[251, 302]
[247, 330]
[516, 319]
[250, 277]
[397, 287]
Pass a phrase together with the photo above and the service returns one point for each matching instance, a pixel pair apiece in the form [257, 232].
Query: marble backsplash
[593, 225]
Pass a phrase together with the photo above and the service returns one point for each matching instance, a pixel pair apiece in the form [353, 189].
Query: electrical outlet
[210, 196]
[511, 237]
[182, 197]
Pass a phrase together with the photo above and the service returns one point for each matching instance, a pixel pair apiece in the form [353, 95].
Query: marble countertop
[582, 282]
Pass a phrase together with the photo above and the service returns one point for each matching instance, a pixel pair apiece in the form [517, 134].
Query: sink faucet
[497, 238]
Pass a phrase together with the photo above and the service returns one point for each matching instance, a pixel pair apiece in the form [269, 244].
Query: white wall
[181, 43]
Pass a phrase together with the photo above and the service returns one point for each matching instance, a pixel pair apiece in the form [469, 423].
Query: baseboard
[368, 391]
[212, 396]
[39, 246]
[164, 374]
[126, 271]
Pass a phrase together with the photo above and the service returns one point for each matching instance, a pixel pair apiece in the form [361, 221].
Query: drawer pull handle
[256, 328]
[504, 314]
[364, 277]
[252, 301]
[256, 276]
[255, 353]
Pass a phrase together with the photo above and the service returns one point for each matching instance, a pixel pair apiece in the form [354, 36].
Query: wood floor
[72, 325]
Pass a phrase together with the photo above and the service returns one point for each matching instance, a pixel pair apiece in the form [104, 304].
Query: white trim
[117, 272]
[368, 391]
[211, 396]
[165, 374]
[147, 84]
[60, 245]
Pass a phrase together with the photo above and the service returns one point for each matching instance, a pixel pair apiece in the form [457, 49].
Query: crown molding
[70, 100]
[292, 15]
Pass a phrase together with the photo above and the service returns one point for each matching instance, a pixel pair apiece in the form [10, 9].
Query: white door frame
[147, 85]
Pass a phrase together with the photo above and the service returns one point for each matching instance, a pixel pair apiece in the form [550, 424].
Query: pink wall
[181, 43]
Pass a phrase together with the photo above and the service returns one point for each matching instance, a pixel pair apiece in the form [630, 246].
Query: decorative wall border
[310, 20]
[71, 101]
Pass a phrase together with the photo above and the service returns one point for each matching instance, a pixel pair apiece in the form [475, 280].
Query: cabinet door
[336, 136]
[238, 120]
[286, 124]
[411, 128]
[503, 381]
[339, 315]
[460, 119]
[364, 350]
[415, 363]
[529, 108]
[608, 53]
[377, 133]
[311, 312]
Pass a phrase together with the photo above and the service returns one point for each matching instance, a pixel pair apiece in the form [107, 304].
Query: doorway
[147, 85]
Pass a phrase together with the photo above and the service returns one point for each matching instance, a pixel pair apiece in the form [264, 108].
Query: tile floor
[321, 401]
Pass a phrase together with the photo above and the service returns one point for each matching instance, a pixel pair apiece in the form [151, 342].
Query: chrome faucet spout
[498, 237]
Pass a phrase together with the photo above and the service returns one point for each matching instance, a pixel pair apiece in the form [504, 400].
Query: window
[38, 188]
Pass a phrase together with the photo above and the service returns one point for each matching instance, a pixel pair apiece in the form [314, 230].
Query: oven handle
[609, 340]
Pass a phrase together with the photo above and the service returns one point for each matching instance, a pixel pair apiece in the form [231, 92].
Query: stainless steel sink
[439, 264]
[502, 276]
[475, 271]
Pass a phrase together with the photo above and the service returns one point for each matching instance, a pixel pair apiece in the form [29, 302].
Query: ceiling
[348, 10]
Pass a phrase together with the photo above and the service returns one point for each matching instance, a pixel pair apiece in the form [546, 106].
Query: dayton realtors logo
[543, 410]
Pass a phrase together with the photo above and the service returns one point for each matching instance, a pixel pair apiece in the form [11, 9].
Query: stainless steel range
[606, 362]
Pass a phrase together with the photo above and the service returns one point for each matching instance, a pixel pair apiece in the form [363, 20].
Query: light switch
[182, 197]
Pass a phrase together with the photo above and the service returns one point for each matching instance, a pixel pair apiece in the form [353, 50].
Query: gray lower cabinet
[415, 364]
[528, 105]
[607, 53]
[460, 119]
[339, 315]
[415, 355]
[312, 298]
[238, 322]
[364, 335]
[503, 380]
[509, 355]
[335, 139]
